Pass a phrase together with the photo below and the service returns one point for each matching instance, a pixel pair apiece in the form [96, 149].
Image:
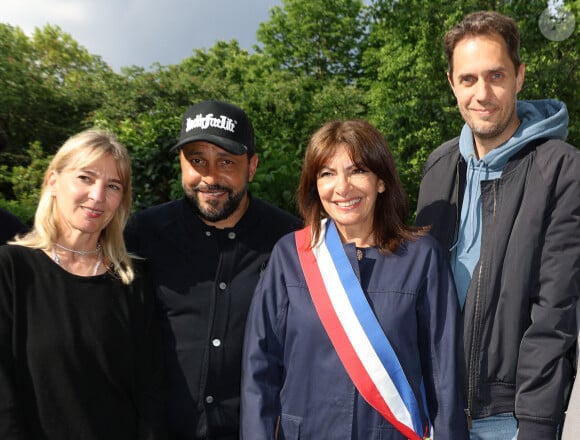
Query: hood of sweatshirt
[546, 118]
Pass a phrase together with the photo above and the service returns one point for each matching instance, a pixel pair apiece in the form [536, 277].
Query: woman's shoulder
[423, 244]
[16, 252]
[285, 242]
[22, 263]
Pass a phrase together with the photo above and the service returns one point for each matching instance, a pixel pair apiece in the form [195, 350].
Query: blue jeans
[497, 427]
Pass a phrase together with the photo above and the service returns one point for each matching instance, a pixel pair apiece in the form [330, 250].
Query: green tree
[18, 84]
[320, 39]
[49, 84]
[25, 181]
[409, 98]
[552, 67]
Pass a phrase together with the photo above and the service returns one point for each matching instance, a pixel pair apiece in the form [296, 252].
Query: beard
[214, 210]
[490, 131]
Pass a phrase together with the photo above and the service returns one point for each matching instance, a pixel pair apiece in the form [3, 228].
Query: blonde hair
[77, 152]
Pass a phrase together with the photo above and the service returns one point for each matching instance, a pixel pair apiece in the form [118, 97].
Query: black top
[77, 354]
[205, 279]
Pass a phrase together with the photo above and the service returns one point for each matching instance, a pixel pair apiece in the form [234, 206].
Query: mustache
[212, 188]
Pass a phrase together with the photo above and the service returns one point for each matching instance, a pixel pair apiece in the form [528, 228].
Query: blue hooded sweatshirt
[547, 118]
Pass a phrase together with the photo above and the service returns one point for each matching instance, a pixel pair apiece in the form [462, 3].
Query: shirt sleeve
[440, 336]
[9, 429]
[148, 362]
[262, 362]
[544, 369]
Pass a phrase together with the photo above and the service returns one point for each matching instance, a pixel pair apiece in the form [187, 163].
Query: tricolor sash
[355, 332]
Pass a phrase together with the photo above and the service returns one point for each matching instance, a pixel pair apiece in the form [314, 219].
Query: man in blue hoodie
[504, 199]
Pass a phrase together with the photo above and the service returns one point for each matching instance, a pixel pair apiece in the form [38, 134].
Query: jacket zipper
[457, 225]
[476, 323]
[471, 367]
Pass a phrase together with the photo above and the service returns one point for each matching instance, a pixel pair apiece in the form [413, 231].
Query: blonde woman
[77, 351]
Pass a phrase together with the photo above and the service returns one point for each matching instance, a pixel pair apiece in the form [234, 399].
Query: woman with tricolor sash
[354, 329]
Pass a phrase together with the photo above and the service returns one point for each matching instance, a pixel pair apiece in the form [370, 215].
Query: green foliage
[148, 138]
[26, 182]
[409, 98]
[320, 39]
[552, 67]
[49, 84]
[19, 85]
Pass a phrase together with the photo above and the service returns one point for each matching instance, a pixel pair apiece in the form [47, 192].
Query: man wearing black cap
[206, 252]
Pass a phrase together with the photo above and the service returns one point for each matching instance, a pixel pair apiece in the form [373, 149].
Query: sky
[143, 32]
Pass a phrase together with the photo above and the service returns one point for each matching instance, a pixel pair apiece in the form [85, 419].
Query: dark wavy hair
[485, 23]
[369, 150]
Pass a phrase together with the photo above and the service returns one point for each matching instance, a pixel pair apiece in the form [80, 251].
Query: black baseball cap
[221, 123]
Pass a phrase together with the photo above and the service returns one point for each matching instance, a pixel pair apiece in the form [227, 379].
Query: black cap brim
[227, 144]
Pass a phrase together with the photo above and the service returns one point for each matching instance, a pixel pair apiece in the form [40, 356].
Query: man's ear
[450, 80]
[521, 74]
[253, 167]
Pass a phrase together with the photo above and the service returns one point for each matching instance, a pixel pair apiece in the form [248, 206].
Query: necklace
[359, 254]
[75, 251]
[98, 251]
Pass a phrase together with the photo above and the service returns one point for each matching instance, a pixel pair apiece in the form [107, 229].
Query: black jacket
[10, 226]
[519, 316]
[205, 278]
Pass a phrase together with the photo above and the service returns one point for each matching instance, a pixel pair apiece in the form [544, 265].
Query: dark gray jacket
[519, 316]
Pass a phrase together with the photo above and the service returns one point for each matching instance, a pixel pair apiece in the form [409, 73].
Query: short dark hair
[485, 23]
[368, 150]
